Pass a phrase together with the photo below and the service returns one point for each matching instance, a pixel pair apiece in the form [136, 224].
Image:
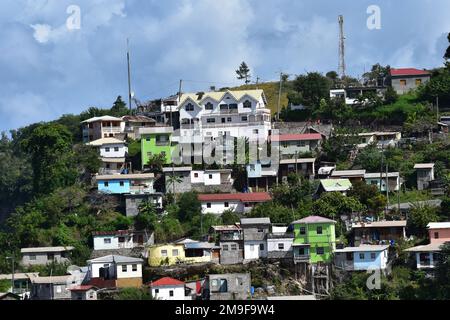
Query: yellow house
[165, 254]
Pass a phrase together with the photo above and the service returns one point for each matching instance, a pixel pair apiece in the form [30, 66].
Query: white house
[211, 177]
[381, 139]
[168, 289]
[102, 127]
[255, 231]
[279, 243]
[393, 179]
[122, 239]
[217, 203]
[112, 153]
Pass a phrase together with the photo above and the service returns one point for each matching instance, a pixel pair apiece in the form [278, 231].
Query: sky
[52, 63]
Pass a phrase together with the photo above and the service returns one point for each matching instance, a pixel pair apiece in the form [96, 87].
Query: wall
[132, 202]
[148, 144]
[326, 240]
[164, 293]
[364, 264]
[94, 269]
[155, 258]
[129, 283]
[180, 187]
[444, 235]
[114, 186]
[410, 83]
[218, 207]
[231, 256]
[41, 259]
[394, 183]
[272, 244]
[129, 273]
[252, 250]
[237, 289]
[99, 243]
[120, 153]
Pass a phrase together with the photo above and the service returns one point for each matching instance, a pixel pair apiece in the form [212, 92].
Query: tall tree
[243, 73]
[310, 89]
[119, 108]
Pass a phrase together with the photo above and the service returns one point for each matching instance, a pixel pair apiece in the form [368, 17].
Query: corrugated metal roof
[102, 141]
[380, 224]
[102, 118]
[136, 176]
[246, 221]
[200, 245]
[363, 248]
[55, 279]
[46, 249]
[438, 225]
[383, 175]
[116, 259]
[314, 219]
[348, 173]
[19, 276]
[436, 246]
[424, 166]
[336, 184]
[409, 72]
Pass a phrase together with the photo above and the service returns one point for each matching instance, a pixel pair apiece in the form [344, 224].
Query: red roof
[243, 197]
[297, 137]
[82, 288]
[409, 72]
[166, 281]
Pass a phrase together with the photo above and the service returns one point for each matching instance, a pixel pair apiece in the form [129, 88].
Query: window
[32, 257]
[108, 166]
[163, 253]
[233, 247]
[175, 253]
[122, 183]
[403, 83]
[156, 291]
[362, 256]
[124, 268]
[107, 149]
[261, 247]
[223, 107]
[373, 256]
[418, 82]
[189, 107]
[232, 106]
[58, 289]
[260, 230]
[302, 230]
[210, 176]
[134, 267]
[319, 230]
[209, 106]
[50, 256]
[149, 154]
[239, 281]
[91, 294]
[320, 250]
[223, 120]
[171, 293]
[195, 175]
[226, 204]
[255, 131]
[121, 239]
[281, 246]
[436, 235]
[225, 247]
[244, 119]
[106, 184]
[211, 120]
[116, 149]
[208, 205]
[247, 104]
[229, 119]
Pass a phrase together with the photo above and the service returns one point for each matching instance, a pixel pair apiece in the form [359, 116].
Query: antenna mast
[341, 67]
[129, 74]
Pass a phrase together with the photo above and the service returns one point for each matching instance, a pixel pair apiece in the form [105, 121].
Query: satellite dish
[132, 94]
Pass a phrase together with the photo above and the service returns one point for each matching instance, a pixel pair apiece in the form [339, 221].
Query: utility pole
[387, 189]
[12, 274]
[341, 67]
[437, 108]
[279, 96]
[381, 169]
[129, 73]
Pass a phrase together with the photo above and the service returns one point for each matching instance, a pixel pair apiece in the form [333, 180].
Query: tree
[189, 206]
[276, 212]
[147, 217]
[368, 195]
[377, 76]
[50, 147]
[390, 96]
[230, 217]
[173, 180]
[442, 273]
[156, 163]
[87, 161]
[119, 108]
[310, 89]
[243, 73]
[133, 294]
[447, 52]
[420, 216]
[335, 204]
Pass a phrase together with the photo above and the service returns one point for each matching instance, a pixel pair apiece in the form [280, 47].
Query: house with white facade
[383, 140]
[362, 258]
[122, 239]
[102, 127]
[112, 153]
[168, 289]
[217, 203]
[207, 180]
[279, 243]
[255, 231]
[393, 180]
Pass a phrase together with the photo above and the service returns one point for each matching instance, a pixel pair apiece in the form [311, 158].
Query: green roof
[336, 184]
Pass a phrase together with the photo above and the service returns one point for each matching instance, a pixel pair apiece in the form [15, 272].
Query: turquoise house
[126, 183]
[362, 258]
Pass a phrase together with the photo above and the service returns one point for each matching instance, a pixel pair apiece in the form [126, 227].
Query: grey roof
[55, 279]
[380, 224]
[46, 249]
[363, 248]
[245, 221]
[176, 169]
[19, 276]
[383, 175]
[424, 166]
[432, 247]
[313, 219]
[348, 173]
[298, 160]
[200, 245]
[408, 205]
[117, 259]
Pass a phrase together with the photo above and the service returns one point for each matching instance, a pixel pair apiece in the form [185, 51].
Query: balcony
[230, 237]
[229, 111]
[111, 129]
[141, 190]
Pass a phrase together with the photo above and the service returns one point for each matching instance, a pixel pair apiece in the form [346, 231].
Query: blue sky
[48, 70]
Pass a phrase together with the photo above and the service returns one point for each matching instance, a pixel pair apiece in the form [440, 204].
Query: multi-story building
[378, 232]
[113, 154]
[102, 127]
[314, 240]
[424, 175]
[255, 231]
[45, 255]
[156, 140]
[132, 124]
[126, 183]
[279, 243]
[230, 240]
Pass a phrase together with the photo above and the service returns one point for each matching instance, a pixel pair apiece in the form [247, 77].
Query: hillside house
[230, 286]
[132, 124]
[279, 243]
[362, 258]
[102, 127]
[115, 271]
[22, 282]
[45, 255]
[300, 166]
[122, 239]
[53, 288]
[393, 179]
[168, 288]
[407, 79]
[207, 180]
[334, 185]
[133, 201]
[426, 256]
[84, 292]
[293, 145]
[382, 140]
[217, 203]
[261, 176]
[314, 240]
[182, 183]
[352, 175]
[155, 141]
[139, 183]
[350, 95]
[424, 174]
[255, 231]
[113, 153]
[378, 232]
[231, 242]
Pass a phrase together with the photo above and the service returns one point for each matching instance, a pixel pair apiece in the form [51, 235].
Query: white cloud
[41, 32]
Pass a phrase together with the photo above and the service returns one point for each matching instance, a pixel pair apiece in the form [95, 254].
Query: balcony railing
[141, 190]
[228, 237]
[111, 129]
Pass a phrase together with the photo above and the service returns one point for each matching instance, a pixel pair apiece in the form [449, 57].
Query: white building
[112, 153]
[102, 127]
[126, 271]
[255, 231]
[217, 203]
[211, 177]
[279, 243]
[122, 239]
[168, 289]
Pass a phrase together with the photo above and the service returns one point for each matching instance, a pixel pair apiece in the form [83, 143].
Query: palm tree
[173, 180]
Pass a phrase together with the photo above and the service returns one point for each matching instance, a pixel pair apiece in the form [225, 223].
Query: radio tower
[341, 68]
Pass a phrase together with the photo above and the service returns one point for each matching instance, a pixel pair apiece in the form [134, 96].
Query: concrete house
[207, 180]
[22, 282]
[45, 255]
[112, 154]
[351, 95]
[231, 242]
[132, 124]
[352, 175]
[425, 174]
[362, 258]
[217, 203]
[255, 231]
[381, 139]
[122, 239]
[114, 271]
[230, 286]
[201, 252]
[301, 166]
[183, 175]
[427, 255]
[102, 127]
[314, 240]
[168, 289]
[141, 183]
[393, 180]
[134, 200]
[86, 292]
[279, 243]
[378, 232]
[53, 288]
[406, 79]
[156, 140]
[293, 145]
[166, 254]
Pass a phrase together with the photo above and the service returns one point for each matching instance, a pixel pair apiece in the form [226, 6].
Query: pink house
[439, 232]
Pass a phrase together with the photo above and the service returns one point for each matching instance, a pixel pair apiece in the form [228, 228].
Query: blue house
[126, 183]
[362, 258]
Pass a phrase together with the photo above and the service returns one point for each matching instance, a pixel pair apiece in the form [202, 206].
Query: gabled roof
[83, 288]
[250, 221]
[243, 197]
[115, 258]
[408, 72]
[167, 282]
[313, 219]
[297, 137]
[233, 227]
[219, 95]
[19, 276]
[138, 119]
[432, 247]
[336, 184]
[46, 249]
[102, 118]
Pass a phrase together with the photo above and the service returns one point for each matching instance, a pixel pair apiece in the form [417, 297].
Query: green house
[156, 140]
[314, 240]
